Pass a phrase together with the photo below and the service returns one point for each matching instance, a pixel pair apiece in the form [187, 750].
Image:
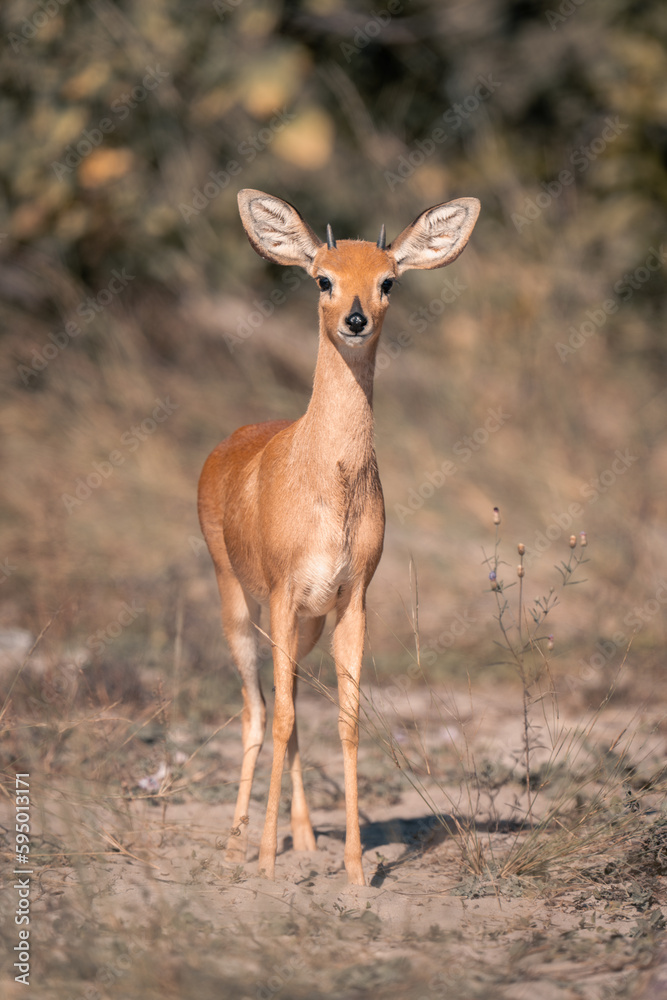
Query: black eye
[324, 284]
[387, 285]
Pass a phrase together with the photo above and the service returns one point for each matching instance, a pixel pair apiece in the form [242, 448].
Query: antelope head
[355, 277]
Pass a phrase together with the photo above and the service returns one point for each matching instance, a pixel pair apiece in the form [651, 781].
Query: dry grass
[131, 897]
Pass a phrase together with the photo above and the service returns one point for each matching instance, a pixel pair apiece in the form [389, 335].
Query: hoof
[304, 840]
[355, 874]
[267, 868]
[237, 843]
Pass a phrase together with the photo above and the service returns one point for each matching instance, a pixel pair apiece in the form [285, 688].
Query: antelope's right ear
[276, 230]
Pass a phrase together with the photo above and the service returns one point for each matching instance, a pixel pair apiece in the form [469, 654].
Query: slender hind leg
[303, 838]
[348, 646]
[240, 614]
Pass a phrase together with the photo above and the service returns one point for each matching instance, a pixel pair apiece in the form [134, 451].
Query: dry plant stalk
[520, 629]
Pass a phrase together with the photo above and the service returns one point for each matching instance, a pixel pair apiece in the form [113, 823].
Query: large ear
[276, 230]
[437, 236]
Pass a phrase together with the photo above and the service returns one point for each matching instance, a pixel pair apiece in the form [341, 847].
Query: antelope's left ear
[437, 236]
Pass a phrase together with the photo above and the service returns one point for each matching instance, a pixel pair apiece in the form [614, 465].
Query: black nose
[356, 322]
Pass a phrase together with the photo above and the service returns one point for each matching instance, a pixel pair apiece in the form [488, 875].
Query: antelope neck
[338, 423]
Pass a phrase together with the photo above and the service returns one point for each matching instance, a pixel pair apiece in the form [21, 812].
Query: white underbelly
[317, 581]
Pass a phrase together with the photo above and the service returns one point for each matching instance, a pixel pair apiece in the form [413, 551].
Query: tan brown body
[293, 513]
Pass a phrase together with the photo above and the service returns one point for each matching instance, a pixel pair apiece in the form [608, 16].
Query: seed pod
[584, 540]
[573, 541]
[496, 516]
[550, 644]
[521, 548]
[520, 570]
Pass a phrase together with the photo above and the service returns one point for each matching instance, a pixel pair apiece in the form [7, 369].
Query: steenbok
[293, 513]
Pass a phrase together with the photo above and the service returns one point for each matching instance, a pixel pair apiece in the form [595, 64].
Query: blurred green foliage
[318, 99]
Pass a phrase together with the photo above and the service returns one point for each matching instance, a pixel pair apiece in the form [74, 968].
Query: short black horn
[382, 238]
[331, 243]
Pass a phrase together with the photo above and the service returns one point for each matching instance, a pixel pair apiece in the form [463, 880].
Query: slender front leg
[348, 646]
[303, 838]
[284, 635]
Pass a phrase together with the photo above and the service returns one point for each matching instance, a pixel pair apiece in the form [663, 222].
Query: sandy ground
[132, 896]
